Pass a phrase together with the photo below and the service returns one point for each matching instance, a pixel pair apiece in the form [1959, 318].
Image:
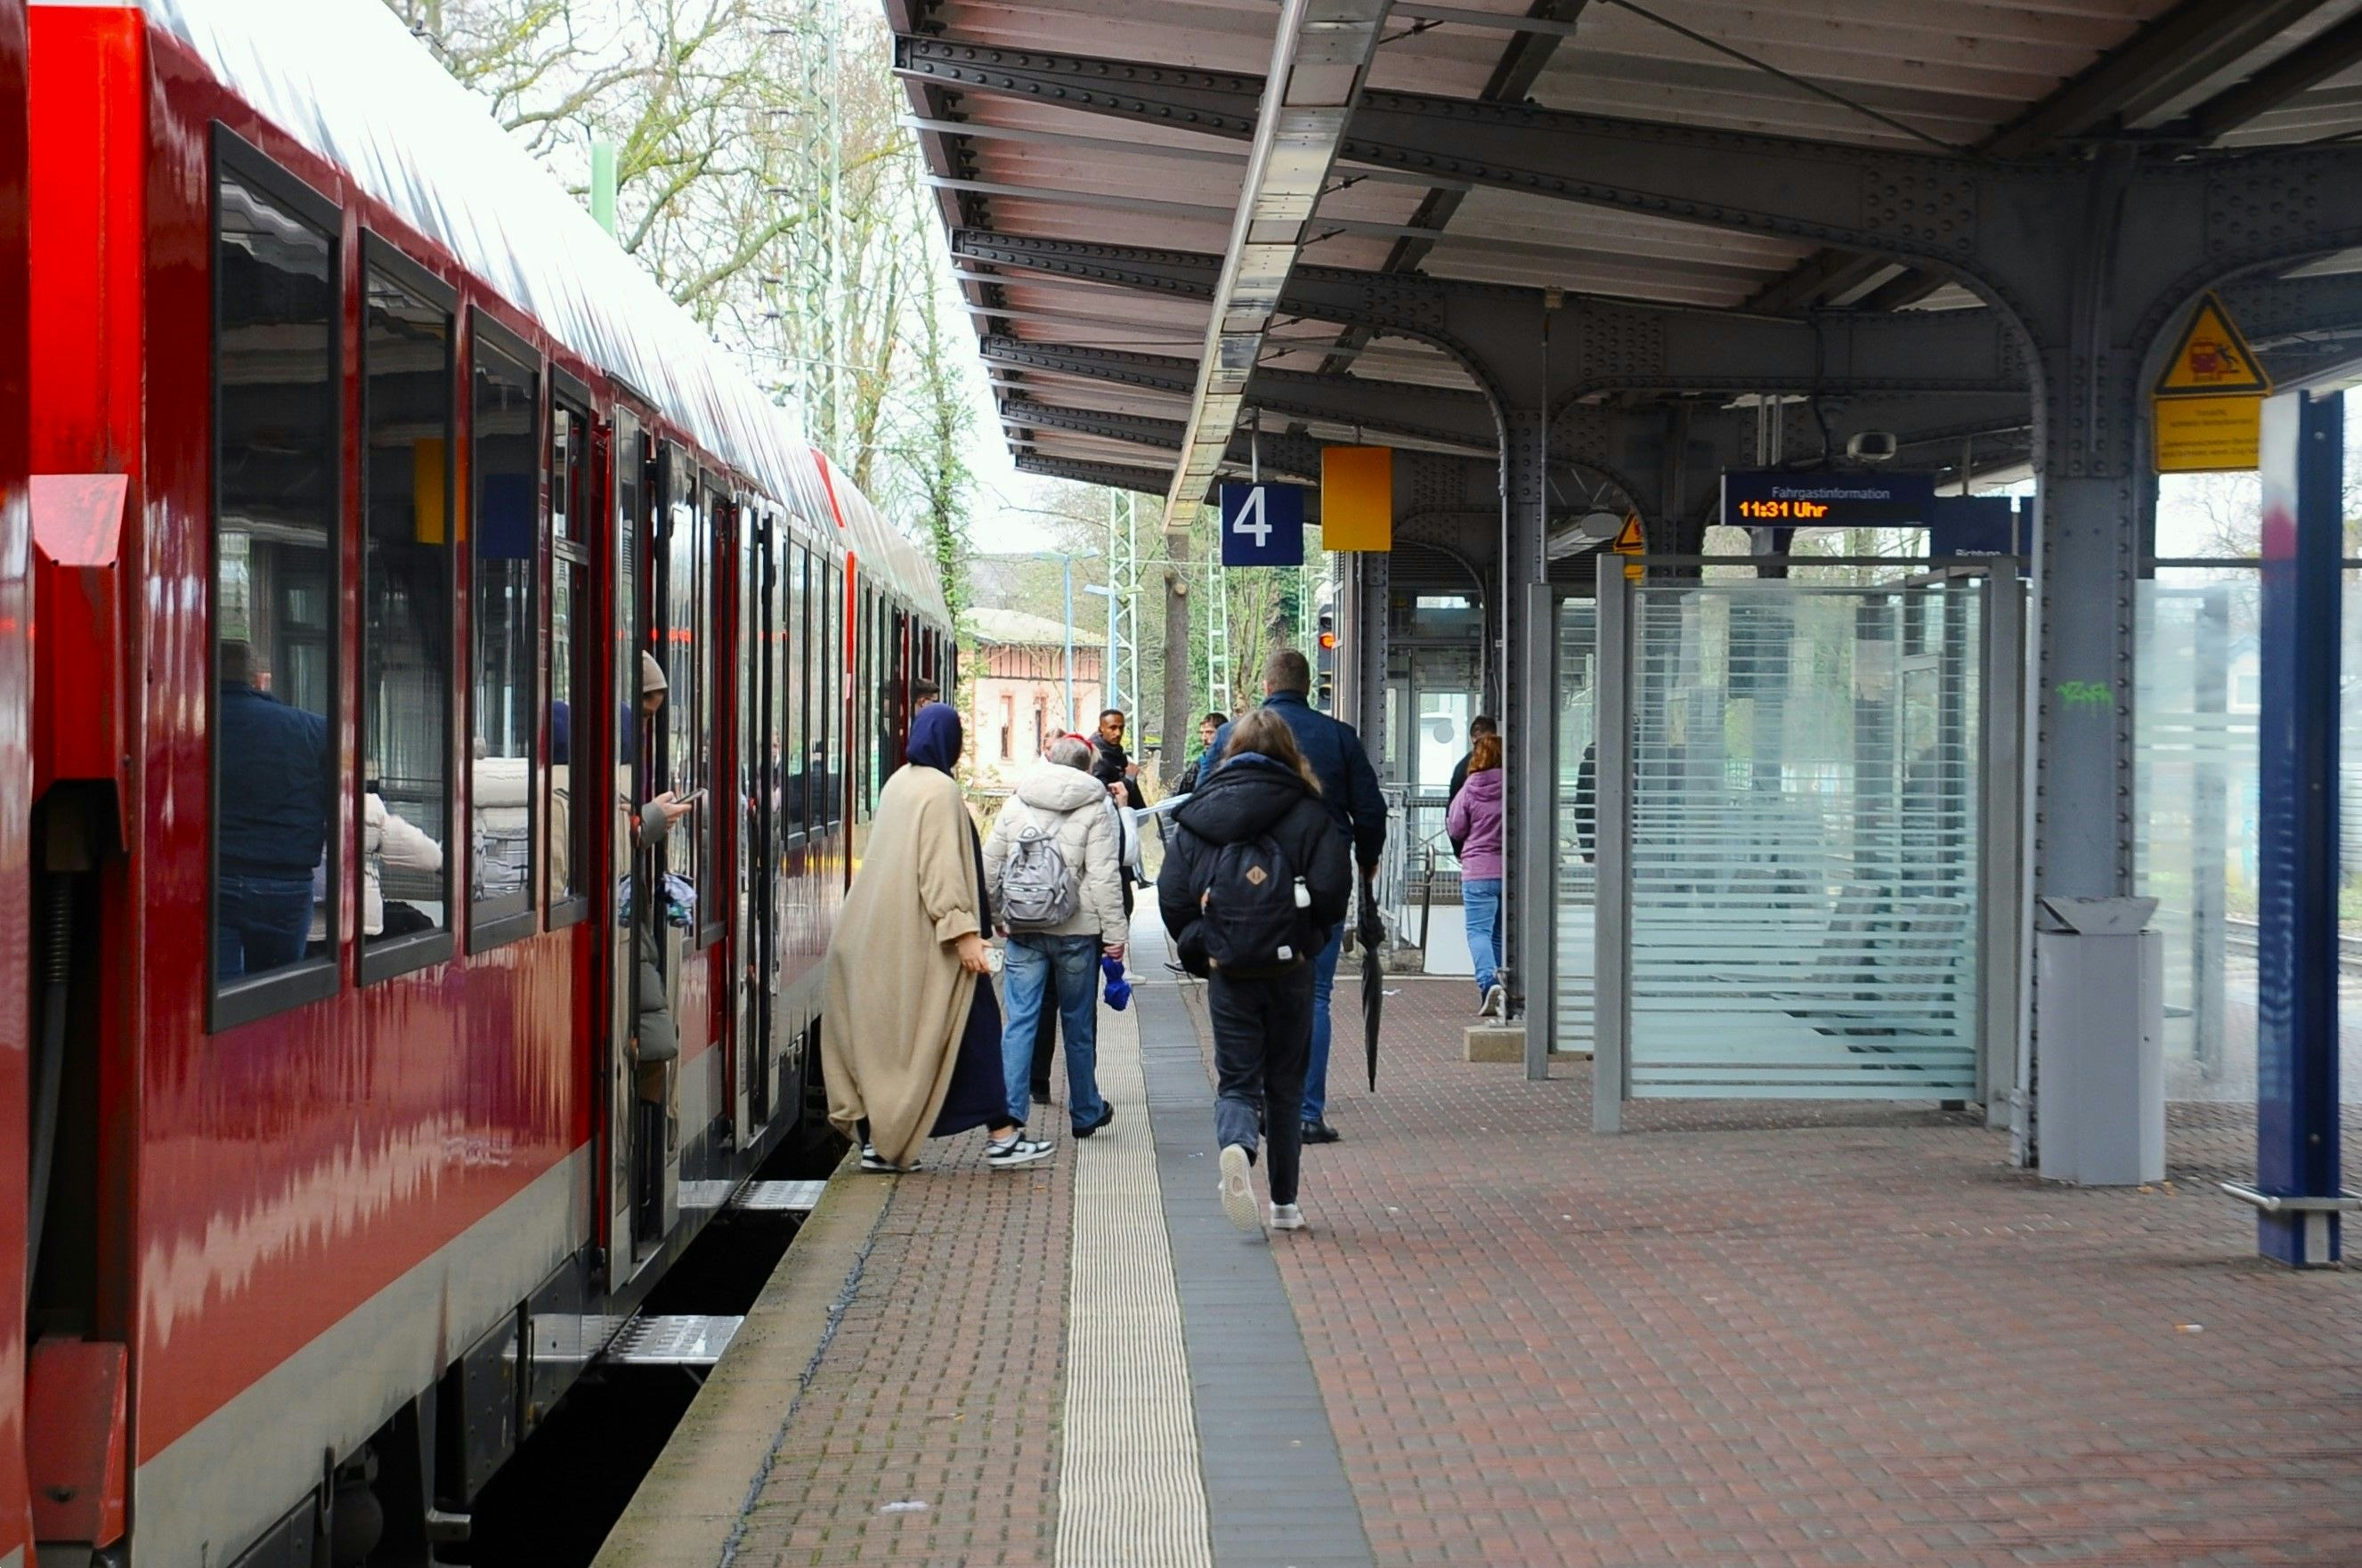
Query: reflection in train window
[507, 468]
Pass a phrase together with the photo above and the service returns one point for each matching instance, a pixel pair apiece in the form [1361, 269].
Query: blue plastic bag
[1118, 990]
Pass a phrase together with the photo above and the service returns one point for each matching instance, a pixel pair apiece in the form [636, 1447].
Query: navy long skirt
[979, 1092]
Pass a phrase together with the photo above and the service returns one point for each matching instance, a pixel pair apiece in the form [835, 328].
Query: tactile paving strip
[1129, 1493]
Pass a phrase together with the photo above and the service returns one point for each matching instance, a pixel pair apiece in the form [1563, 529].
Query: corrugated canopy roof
[2019, 79]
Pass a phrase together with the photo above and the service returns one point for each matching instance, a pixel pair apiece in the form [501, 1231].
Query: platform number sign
[1262, 525]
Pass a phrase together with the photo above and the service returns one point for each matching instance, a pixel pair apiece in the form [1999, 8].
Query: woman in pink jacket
[1474, 823]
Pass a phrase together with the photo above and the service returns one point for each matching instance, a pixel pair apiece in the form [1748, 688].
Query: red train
[336, 942]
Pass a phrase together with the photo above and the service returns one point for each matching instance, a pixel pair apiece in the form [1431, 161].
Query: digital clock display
[1775, 498]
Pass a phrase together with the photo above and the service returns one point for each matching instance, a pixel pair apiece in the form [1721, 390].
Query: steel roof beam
[1607, 344]
[2190, 43]
[1113, 475]
[2307, 66]
[1931, 208]
[1436, 415]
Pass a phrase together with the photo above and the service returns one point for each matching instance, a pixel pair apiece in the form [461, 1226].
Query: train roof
[346, 80]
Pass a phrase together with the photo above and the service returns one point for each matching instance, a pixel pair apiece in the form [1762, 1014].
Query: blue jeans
[1480, 902]
[1324, 981]
[260, 924]
[1036, 967]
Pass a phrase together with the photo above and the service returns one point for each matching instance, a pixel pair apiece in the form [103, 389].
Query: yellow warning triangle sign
[1629, 542]
[2211, 359]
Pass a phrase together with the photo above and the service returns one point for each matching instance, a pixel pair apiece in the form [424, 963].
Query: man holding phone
[659, 1041]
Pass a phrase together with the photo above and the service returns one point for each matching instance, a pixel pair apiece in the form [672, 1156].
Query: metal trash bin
[2099, 1054]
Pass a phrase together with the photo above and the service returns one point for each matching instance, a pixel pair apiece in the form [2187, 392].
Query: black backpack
[1252, 918]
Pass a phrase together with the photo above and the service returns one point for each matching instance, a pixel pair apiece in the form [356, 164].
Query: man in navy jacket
[272, 818]
[1348, 788]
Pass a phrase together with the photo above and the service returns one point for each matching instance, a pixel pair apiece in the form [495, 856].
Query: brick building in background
[1015, 675]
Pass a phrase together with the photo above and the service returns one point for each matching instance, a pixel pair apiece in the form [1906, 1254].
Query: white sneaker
[1237, 1193]
[1017, 1151]
[1287, 1217]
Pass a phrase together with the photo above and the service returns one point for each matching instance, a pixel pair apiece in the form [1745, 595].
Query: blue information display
[1780, 498]
[1262, 525]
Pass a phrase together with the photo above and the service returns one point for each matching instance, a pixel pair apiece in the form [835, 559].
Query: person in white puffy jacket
[1059, 964]
[388, 839]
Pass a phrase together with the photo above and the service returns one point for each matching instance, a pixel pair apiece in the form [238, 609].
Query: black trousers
[1262, 1047]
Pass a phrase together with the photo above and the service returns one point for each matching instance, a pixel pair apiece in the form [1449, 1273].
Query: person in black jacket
[1111, 767]
[1349, 789]
[1259, 787]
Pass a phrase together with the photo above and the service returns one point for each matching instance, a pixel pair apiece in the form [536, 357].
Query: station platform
[1739, 1333]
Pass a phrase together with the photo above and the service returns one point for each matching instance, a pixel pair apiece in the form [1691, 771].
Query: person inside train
[1053, 861]
[652, 822]
[913, 1045]
[389, 842]
[272, 816]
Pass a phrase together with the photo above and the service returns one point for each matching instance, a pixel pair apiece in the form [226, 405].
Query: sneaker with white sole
[1237, 1193]
[1287, 1217]
[1017, 1151]
[874, 1164]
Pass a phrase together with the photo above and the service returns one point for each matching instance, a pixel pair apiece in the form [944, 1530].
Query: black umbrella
[1374, 996]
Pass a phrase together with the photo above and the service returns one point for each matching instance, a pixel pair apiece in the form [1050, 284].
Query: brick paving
[1782, 1336]
[1769, 1335]
[940, 1386]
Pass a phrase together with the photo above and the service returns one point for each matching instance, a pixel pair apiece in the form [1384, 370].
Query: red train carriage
[371, 469]
[15, 790]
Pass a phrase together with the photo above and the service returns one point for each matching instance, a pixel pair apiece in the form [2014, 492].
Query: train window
[709, 690]
[799, 617]
[571, 778]
[827, 584]
[834, 665]
[684, 611]
[407, 397]
[505, 476]
[277, 506]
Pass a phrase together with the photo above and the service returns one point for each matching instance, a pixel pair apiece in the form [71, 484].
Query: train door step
[695, 1339]
[781, 1197]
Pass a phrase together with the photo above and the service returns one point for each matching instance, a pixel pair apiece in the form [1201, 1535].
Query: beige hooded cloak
[896, 1000]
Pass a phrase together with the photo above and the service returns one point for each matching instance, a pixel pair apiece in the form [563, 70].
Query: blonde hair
[1265, 733]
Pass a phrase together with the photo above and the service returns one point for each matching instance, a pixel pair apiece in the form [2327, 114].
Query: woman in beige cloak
[912, 1046]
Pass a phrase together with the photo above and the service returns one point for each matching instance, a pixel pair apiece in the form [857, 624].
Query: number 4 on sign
[1250, 519]
[1262, 525]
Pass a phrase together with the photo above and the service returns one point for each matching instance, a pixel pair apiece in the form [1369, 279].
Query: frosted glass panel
[1578, 661]
[2194, 727]
[1805, 832]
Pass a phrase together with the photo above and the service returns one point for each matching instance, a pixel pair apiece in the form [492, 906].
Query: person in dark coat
[1207, 728]
[1349, 789]
[1111, 767]
[272, 820]
[1258, 787]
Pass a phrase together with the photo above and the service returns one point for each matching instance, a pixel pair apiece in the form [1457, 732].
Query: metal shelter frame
[2085, 225]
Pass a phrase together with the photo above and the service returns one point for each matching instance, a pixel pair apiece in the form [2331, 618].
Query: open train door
[632, 1142]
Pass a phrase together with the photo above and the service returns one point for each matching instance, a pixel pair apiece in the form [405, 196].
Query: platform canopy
[1257, 140]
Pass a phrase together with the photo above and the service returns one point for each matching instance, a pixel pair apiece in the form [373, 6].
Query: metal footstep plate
[781, 1197]
[696, 1340]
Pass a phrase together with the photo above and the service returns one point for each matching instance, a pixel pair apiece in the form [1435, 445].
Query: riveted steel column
[1537, 848]
[2296, 833]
